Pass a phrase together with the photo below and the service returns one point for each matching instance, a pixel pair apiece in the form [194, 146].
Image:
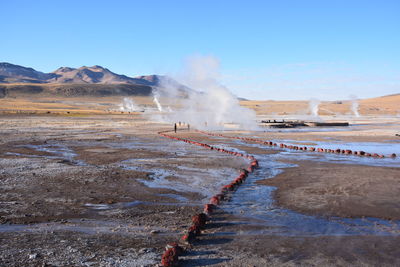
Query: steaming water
[354, 106]
[209, 104]
[159, 107]
[129, 105]
[314, 107]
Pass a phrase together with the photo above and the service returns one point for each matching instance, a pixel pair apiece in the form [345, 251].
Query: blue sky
[267, 49]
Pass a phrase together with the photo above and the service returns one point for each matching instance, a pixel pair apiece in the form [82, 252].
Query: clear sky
[295, 49]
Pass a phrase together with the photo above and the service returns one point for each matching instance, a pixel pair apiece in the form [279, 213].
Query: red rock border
[174, 250]
[303, 148]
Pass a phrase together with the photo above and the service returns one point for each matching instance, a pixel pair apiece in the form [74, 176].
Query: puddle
[251, 201]
[371, 147]
[341, 159]
[59, 151]
[203, 181]
[119, 205]
[255, 202]
[180, 170]
[98, 206]
[386, 148]
[123, 205]
[381, 148]
[175, 196]
[85, 226]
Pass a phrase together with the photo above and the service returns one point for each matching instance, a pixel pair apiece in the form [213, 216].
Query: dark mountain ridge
[84, 81]
[11, 73]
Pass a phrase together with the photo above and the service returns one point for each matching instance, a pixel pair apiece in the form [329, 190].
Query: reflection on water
[255, 202]
[58, 151]
[372, 147]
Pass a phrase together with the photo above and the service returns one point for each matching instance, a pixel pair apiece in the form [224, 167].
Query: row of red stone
[303, 148]
[175, 249]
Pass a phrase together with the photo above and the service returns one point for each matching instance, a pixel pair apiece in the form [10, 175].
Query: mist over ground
[210, 105]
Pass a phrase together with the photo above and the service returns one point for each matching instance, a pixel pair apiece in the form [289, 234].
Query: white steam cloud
[128, 105]
[354, 105]
[314, 106]
[157, 102]
[209, 105]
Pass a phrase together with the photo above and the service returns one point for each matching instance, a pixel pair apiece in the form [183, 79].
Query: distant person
[175, 127]
[188, 127]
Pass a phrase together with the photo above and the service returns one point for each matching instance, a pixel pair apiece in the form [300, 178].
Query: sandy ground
[83, 191]
[386, 105]
[335, 190]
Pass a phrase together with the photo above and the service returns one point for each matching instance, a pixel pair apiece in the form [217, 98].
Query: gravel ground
[108, 191]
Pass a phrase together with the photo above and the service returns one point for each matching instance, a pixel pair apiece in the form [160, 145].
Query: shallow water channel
[255, 201]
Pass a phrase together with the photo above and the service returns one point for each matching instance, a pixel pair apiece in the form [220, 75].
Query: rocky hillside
[10, 73]
[84, 81]
[74, 90]
[95, 74]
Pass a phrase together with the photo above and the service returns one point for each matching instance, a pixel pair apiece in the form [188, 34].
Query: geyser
[157, 102]
[209, 105]
[128, 105]
[354, 105]
[314, 106]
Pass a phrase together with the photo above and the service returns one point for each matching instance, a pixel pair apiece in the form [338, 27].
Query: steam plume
[128, 105]
[155, 100]
[354, 105]
[210, 105]
[314, 106]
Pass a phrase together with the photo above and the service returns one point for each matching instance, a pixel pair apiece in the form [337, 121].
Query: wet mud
[108, 191]
[329, 189]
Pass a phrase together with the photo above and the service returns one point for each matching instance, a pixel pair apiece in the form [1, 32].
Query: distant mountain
[10, 73]
[73, 89]
[89, 81]
[95, 74]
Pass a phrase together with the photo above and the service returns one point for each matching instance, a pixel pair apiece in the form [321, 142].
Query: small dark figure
[175, 127]
[188, 127]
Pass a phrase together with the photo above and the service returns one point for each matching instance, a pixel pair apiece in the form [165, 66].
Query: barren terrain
[84, 185]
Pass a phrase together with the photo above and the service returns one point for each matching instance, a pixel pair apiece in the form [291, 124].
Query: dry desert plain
[83, 184]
